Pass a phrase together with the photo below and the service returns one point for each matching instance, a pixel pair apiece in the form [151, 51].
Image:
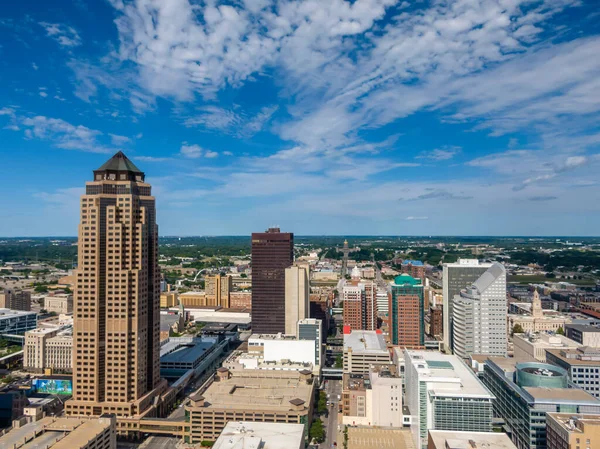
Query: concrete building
[260, 435]
[406, 312]
[116, 331]
[363, 349]
[584, 334]
[360, 304]
[268, 396]
[17, 321]
[414, 268]
[479, 315]
[538, 320]
[272, 253]
[373, 399]
[193, 299]
[297, 290]
[218, 288]
[60, 303]
[442, 393]
[535, 345]
[59, 352]
[15, 300]
[312, 329]
[363, 437]
[436, 321]
[276, 348]
[383, 300]
[63, 433]
[457, 276]
[168, 299]
[440, 439]
[582, 364]
[525, 391]
[572, 431]
[240, 300]
[179, 355]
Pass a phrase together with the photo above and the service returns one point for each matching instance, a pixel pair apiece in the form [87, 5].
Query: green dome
[406, 279]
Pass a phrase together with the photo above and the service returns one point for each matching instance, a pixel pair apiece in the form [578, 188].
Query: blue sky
[466, 117]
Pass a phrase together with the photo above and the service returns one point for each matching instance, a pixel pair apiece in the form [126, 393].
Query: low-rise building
[278, 348]
[240, 300]
[535, 345]
[168, 299]
[525, 391]
[361, 437]
[64, 433]
[193, 299]
[441, 439]
[17, 321]
[179, 355]
[49, 347]
[263, 435]
[15, 299]
[582, 364]
[442, 393]
[584, 334]
[363, 349]
[572, 431]
[60, 303]
[269, 396]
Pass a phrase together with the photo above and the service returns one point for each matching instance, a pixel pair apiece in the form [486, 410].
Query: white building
[457, 276]
[479, 315]
[61, 303]
[277, 348]
[442, 393]
[297, 290]
[382, 302]
[312, 329]
[260, 435]
[362, 349]
[535, 345]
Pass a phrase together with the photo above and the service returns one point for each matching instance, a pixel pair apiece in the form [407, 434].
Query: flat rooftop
[583, 327]
[369, 342]
[257, 393]
[566, 394]
[579, 420]
[260, 435]
[450, 375]
[380, 438]
[9, 313]
[443, 439]
[547, 341]
[558, 353]
[185, 349]
[46, 431]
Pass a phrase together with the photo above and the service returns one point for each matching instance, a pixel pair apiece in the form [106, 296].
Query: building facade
[457, 276]
[15, 300]
[272, 253]
[582, 364]
[442, 393]
[363, 349]
[414, 268]
[436, 321]
[584, 334]
[218, 289]
[406, 312]
[312, 329]
[535, 345]
[59, 303]
[17, 321]
[480, 315]
[117, 309]
[240, 300]
[297, 291]
[360, 304]
[168, 299]
[572, 431]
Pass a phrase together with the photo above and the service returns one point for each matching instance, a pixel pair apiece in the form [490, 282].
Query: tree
[517, 329]
[243, 275]
[316, 431]
[550, 275]
[322, 403]
[560, 331]
[339, 361]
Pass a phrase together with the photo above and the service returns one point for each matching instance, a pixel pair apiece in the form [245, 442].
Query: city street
[333, 388]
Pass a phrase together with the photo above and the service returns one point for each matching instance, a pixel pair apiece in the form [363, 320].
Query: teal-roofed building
[406, 312]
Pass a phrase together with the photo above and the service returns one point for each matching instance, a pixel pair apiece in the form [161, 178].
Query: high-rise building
[442, 393]
[297, 291]
[415, 268]
[272, 253]
[480, 315]
[312, 329]
[406, 314]
[457, 276]
[360, 304]
[218, 289]
[116, 311]
[435, 321]
[15, 300]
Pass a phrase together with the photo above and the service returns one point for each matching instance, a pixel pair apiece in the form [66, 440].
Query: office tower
[572, 431]
[116, 313]
[406, 314]
[480, 315]
[435, 321]
[526, 391]
[443, 393]
[272, 253]
[312, 329]
[15, 300]
[415, 268]
[360, 305]
[218, 289]
[457, 276]
[297, 291]
[345, 251]
[383, 302]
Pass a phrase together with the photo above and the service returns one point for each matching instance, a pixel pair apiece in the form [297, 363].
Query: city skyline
[446, 119]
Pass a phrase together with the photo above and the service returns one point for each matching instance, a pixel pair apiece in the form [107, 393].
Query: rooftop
[9, 313]
[257, 393]
[361, 341]
[584, 356]
[119, 162]
[416, 263]
[404, 279]
[188, 352]
[448, 373]
[574, 423]
[260, 435]
[369, 438]
[583, 327]
[443, 439]
[570, 394]
[546, 340]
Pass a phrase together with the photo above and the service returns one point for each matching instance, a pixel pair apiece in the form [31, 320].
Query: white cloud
[416, 218]
[227, 153]
[232, 121]
[119, 140]
[65, 35]
[43, 94]
[441, 154]
[191, 151]
[34, 66]
[151, 159]
[211, 154]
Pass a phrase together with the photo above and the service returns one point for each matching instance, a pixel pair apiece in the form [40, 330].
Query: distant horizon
[332, 235]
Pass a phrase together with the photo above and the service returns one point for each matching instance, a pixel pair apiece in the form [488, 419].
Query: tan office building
[218, 289]
[263, 396]
[572, 431]
[59, 353]
[168, 299]
[116, 311]
[61, 303]
[193, 299]
[297, 291]
[63, 433]
[15, 300]
[34, 355]
[240, 300]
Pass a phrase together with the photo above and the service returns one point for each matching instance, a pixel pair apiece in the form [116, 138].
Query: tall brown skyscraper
[116, 299]
[272, 253]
